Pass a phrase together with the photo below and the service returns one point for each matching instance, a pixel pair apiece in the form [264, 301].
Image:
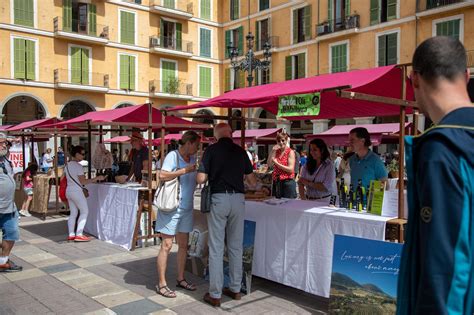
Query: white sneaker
[25, 213]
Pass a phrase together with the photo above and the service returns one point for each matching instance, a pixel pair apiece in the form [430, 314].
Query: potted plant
[392, 168]
[172, 85]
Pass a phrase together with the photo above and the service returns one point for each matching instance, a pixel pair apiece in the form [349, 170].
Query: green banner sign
[299, 105]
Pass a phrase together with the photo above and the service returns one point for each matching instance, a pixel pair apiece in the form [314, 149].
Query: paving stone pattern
[100, 278]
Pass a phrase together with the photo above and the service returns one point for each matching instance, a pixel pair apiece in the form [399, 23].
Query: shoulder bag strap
[67, 170]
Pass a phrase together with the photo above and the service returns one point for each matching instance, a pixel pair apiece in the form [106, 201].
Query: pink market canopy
[33, 124]
[4, 127]
[382, 81]
[133, 116]
[156, 142]
[118, 139]
[379, 133]
[261, 136]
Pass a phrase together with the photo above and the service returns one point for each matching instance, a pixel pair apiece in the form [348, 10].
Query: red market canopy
[118, 139]
[260, 136]
[379, 133]
[133, 116]
[4, 127]
[176, 137]
[33, 124]
[381, 81]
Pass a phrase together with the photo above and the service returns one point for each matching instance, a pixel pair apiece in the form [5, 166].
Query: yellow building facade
[61, 58]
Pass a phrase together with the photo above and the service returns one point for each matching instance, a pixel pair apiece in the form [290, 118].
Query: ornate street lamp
[249, 63]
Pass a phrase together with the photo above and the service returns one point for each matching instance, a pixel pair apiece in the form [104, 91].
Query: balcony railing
[179, 5]
[349, 22]
[433, 4]
[81, 27]
[470, 58]
[272, 40]
[172, 86]
[81, 78]
[171, 43]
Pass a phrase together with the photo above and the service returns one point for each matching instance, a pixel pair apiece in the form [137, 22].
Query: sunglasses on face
[82, 153]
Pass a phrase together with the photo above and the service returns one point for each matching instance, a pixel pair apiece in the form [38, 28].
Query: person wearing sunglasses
[76, 182]
[282, 158]
[8, 211]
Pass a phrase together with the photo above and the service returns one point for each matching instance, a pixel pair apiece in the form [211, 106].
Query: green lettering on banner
[299, 105]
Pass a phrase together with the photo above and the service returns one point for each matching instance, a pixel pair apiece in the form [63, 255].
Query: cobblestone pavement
[100, 278]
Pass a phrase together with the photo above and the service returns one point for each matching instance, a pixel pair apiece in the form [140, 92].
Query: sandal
[187, 286]
[167, 293]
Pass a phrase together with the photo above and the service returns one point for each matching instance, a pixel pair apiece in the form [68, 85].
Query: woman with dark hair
[27, 177]
[318, 176]
[179, 223]
[283, 160]
[76, 182]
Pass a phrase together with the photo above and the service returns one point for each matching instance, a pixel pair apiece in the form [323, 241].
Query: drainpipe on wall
[416, 23]
[317, 41]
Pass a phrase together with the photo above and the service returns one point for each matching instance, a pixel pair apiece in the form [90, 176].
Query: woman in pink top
[27, 179]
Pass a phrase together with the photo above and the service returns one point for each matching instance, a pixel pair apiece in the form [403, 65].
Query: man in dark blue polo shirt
[225, 164]
[437, 266]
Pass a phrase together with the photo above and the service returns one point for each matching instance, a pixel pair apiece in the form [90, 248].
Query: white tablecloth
[294, 241]
[112, 213]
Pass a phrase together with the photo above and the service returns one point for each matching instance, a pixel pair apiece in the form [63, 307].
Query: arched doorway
[71, 110]
[123, 105]
[266, 115]
[22, 108]
[207, 121]
[236, 124]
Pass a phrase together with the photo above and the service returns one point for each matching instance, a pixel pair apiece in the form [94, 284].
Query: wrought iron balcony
[272, 40]
[424, 5]
[81, 30]
[81, 80]
[349, 22]
[183, 9]
[171, 46]
[171, 88]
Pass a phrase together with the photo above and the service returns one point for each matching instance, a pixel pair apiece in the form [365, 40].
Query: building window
[205, 7]
[127, 27]
[262, 33]
[205, 81]
[302, 24]
[388, 49]
[382, 11]
[450, 28]
[295, 66]
[128, 68]
[338, 11]
[263, 4]
[170, 4]
[171, 35]
[263, 77]
[23, 12]
[205, 42]
[170, 82]
[79, 17]
[24, 59]
[80, 65]
[339, 58]
[234, 38]
[234, 9]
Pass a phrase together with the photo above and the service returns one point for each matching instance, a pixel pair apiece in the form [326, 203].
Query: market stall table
[113, 212]
[294, 241]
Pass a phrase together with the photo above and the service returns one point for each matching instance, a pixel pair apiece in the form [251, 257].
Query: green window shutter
[227, 80]
[348, 8]
[127, 27]
[30, 59]
[391, 10]
[295, 26]
[123, 27]
[301, 66]
[206, 9]
[179, 36]
[29, 13]
[264, 4]
[307, 22]
[19, 58]
[382, 51]
[236, 9]
[334, 59]
[240, 45]
[85, 66]
[76, 56]
[330, 15]
[92, 19]
[257, 36]
[23, 12]
[288, 68]
[448, 28]
[132, 63]
[392, 49]
[168, 73]
[205, 42]
[343, 62]
[124, 71]
[374, 12]
[169, 4]
[162, 35]
[204, 82]
[227, 43]
[67, 15]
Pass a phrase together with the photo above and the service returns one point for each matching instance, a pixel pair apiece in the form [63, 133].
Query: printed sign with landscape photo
[364, 276]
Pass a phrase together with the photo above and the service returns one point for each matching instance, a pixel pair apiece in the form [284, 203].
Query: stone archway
[22, 108]
[73, 109]
[207, 121]
[266, 115]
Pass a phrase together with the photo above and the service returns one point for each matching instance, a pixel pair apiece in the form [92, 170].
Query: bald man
[225, 165]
